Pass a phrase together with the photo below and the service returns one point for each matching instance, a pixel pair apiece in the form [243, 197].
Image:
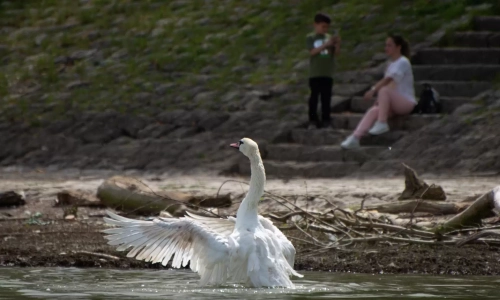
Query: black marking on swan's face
[246, 146]
[237, 145]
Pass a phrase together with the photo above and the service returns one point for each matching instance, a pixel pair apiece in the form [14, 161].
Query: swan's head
[246, 146]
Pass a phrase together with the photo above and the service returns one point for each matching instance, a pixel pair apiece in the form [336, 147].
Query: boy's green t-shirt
[322, 64]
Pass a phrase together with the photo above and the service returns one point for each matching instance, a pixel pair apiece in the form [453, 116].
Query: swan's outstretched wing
[186, 239]
[286, 245]
[222, 226]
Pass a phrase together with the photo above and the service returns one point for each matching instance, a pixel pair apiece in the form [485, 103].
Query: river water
[72, 283]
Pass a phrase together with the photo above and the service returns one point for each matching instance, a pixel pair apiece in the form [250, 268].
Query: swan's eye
[241, 143]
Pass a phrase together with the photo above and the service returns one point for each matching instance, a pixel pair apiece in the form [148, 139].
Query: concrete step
[359, 105]
[487, 23]
[317, 153]
[475, 39]
[350, 89]
[336, 136]
[292, 169]
[443, 56]
[405, 123]
[456, 72]
[455, 88]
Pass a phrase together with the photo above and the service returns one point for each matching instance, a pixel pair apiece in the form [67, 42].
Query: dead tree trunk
[416, 188]
[133, 196]
[130, 195]
[479, 209]
[435, 208]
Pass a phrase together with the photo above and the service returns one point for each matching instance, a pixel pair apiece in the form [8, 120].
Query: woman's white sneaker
[379, 128]
[350, 143]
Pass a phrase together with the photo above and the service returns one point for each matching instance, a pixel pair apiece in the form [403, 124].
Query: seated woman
[395, 93]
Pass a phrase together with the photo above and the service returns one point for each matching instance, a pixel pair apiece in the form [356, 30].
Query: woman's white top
[400, 71]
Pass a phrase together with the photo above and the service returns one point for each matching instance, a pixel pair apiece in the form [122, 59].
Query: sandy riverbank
[52, 241]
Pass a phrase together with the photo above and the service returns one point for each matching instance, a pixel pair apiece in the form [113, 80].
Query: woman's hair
[401, 41]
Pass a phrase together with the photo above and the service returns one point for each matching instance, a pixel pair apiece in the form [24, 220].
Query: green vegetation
[124, 50]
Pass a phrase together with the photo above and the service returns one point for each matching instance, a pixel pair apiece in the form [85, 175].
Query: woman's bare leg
[367, 122]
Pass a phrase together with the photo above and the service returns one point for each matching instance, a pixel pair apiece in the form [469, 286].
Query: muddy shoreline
[51, 241]
[72, 244]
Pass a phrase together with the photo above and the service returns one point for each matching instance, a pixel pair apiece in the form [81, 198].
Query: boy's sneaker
[379, 128]
[350, 143]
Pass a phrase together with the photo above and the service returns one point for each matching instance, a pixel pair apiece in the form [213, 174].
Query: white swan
[247, 249]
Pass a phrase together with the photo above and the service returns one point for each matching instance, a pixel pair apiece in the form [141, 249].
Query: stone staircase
[462, 66]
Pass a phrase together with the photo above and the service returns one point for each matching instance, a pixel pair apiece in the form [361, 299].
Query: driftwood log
[422, 206]
[132, 196]
[416, 188]
[11, 198]
[77, 198]
[472, 216]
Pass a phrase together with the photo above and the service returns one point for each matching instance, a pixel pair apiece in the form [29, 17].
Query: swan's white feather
[221, 226]
[247, 249]
[159, 239]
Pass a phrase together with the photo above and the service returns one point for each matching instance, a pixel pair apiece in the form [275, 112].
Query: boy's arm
[336, 45]
[315, 51]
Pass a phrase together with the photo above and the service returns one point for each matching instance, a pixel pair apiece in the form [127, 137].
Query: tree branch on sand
[338, 229]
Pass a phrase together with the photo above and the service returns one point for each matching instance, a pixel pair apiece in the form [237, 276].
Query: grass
[143, 44]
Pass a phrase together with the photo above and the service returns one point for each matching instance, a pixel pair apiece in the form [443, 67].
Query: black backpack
[429, 101]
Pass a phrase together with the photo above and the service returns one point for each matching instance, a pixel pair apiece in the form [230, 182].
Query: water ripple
[72, 283]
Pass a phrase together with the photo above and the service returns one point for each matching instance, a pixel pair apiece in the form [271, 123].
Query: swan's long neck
[247, 212]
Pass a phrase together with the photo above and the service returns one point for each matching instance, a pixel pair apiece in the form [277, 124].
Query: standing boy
[322, 50]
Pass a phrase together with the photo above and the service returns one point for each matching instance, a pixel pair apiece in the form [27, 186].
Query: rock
[279, 89]
[76, 198]
[92, 35]
[77, 84]
[466, 109]
[157, 32]
[256, 105]
[97, 132]
[221, 59]
[83, 54]
[212, 120]
[142, 97]
[183, 132]
[379, 57]
[164, 88]
[231, 96]
[40, 38]
[361, 47]
[11, 198]
[163, 22]
[155, 131]
[241, 69]
[70, 217]
[301, 65]
[36, 58]
[263, 95]
[204, 97]
[120, 54]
